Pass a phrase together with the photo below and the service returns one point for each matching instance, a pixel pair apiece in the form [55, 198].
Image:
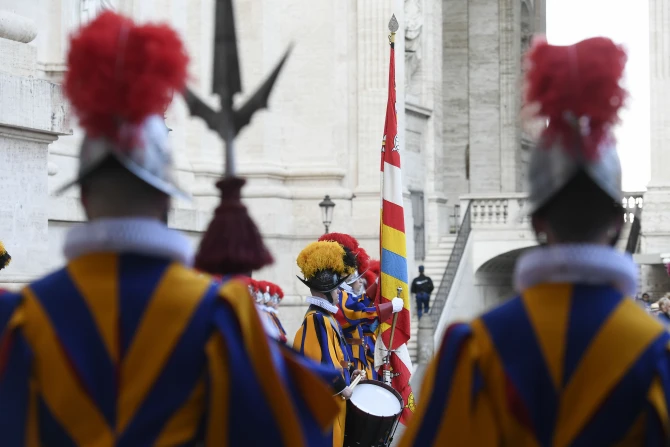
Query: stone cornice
[419, 110]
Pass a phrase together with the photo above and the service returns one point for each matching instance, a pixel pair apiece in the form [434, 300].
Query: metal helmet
[149, 158]
[325, 265]
[552, 168]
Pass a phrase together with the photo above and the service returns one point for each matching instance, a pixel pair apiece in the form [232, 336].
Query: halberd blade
[227, 80]
[198, 108]
[259, 100]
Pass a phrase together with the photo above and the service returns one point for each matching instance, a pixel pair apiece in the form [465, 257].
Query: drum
[373, 413]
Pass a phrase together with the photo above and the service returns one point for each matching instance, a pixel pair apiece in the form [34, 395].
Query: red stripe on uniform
[393, 216]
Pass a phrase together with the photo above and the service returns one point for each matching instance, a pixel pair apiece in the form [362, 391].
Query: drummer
[324, 266]
[357, 310]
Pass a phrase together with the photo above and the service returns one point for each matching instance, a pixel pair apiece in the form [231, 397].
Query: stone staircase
[435, 264]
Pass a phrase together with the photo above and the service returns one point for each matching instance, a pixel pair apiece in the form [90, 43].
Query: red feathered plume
[577, 83]
[121, 73]
[264, 285]
[343, 239]
[352, 244]
[369, 277]
[375, 267]
[280, 292]
[363, 259]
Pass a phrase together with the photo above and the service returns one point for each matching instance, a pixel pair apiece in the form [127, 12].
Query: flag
[393, 254]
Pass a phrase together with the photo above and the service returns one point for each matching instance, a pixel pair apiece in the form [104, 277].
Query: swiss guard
[127, 345]
[571, 360]
[356, 309]
[325, 265]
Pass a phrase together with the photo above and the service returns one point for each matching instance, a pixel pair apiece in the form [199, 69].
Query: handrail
[451, 269]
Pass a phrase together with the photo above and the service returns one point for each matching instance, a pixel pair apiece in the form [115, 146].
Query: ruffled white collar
[128, 235]
[322, 303]
[583, 264]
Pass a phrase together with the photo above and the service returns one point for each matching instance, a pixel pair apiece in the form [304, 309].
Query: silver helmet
[552, 168]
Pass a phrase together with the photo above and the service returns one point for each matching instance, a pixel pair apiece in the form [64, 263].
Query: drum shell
[363, 429]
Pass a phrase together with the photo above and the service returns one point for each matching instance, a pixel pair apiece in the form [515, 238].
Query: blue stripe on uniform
[590, 307]
[625, 403]
[246, 394]
[15, 391]
[524, 364]
[70, 317]
[448, 358]
[180, 375]
[51, 432]
[138, 278]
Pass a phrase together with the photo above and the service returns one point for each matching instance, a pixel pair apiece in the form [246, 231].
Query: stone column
[655, 228]
[33, 113]
[509, 24]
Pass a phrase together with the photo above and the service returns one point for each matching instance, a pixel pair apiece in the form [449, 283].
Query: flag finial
[393, 24]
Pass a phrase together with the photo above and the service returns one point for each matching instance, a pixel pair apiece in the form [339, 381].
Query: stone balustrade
[17, 28]
[507, 210]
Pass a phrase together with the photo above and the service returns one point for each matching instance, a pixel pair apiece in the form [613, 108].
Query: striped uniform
[369, 339]
[320, 338]
[130, 350]
[357, 312]
[561, 365]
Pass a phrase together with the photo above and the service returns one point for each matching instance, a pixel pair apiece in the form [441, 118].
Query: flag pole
[387, 377]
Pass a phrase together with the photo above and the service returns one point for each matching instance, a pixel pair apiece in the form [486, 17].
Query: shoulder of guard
[10, 309]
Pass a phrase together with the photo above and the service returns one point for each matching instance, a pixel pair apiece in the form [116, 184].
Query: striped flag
[394, 253]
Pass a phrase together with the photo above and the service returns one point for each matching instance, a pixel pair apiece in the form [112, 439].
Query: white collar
[583, 263]
[350, 291]
[322, 303]
[128, 235]
[272, 310]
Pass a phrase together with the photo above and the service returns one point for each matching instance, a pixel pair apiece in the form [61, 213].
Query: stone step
[441, 258]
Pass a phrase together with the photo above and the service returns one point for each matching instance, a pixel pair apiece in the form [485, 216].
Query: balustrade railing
[452, 267]
[497, 211]
[508, 210]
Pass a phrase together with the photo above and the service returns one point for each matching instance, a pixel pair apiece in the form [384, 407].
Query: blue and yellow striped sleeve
[18, 403]
[453, 409]
[249, 374]
[355, 310]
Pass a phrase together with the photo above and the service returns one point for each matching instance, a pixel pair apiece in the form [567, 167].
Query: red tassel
[232, 243]
[582, 80]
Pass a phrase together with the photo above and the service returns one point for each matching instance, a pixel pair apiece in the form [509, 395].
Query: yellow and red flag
[393, 254]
